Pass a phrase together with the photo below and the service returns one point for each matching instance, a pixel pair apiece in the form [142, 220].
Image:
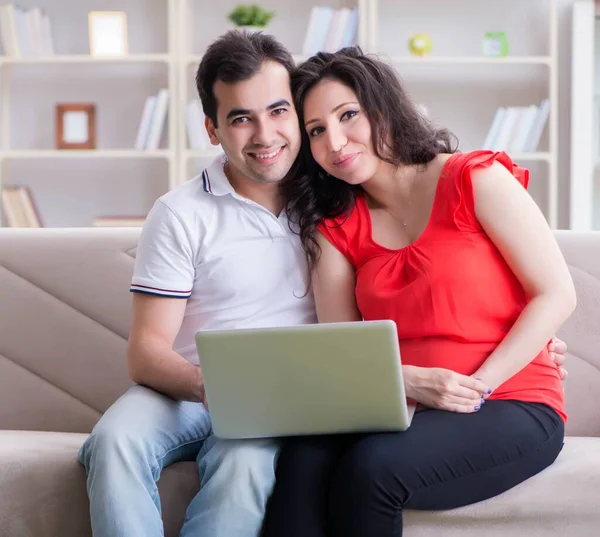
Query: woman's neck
[391, 186]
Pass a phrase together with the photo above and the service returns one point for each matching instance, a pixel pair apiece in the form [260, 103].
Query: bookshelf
[584, 192]
[460, 87]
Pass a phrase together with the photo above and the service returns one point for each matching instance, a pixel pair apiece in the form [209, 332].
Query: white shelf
[85, 58]
[445, 60]
[84, 154]
[469, 60]
[532, 157]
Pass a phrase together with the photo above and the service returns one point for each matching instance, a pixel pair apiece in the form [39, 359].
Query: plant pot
[253, 29]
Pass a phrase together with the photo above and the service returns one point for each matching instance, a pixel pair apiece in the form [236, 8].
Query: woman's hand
[444, 389]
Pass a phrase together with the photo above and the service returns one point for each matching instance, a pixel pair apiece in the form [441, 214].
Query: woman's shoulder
[480, 159]
[459, 171]
[348, 219]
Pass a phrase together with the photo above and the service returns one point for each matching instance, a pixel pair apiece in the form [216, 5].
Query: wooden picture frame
[76, 126]
[19, 208]
[108, 33]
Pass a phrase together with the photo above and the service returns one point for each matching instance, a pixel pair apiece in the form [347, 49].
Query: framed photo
[76, 126]
[108, 33]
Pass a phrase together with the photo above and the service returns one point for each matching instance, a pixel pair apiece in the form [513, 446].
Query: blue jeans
[145, 431]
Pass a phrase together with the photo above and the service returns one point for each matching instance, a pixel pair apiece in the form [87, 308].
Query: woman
[397, 225]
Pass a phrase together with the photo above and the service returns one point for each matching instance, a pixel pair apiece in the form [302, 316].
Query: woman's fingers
[462, 408]
[466, 393]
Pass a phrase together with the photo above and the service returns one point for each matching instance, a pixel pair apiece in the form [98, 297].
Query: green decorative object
[495, 44]
[251, 15]
[420, 44]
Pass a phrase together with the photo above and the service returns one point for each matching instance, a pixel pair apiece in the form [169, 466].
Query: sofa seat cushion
[562, 500]
[43, 490]
[43, 494]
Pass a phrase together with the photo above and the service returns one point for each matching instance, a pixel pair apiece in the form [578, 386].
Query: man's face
[257, 124]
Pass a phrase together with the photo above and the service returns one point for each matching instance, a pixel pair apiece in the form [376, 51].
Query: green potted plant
[251, 17]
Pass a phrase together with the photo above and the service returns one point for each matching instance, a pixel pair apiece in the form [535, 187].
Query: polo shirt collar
[214, 180]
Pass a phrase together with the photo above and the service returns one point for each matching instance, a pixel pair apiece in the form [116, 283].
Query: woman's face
[339, 132]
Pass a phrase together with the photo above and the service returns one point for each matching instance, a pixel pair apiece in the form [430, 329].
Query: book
[537, 128]
[330, 29]
[145, 122]
[196, 130]
[25, 32]
[159, 117]
[19, 208]
[517, 129]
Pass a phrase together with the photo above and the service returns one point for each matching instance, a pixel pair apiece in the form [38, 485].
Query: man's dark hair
[234, 57]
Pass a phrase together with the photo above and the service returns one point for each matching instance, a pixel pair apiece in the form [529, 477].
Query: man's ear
[212, 131]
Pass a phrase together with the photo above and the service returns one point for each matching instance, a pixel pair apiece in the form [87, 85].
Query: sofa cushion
[561, 500]
[43, 491]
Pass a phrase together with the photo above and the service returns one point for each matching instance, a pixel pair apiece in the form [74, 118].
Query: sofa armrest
[42, 486]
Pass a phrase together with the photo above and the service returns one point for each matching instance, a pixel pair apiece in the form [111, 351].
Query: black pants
[358, 485]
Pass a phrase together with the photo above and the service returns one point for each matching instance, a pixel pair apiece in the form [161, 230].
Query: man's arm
[151, 359]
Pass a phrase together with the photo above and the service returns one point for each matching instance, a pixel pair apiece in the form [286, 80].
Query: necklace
[402, 221]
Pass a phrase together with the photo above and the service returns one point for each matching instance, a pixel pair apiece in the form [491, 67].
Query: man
[214, 253]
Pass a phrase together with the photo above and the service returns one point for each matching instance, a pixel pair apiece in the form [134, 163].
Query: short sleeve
[164, 263]
[461, 186]
[342, 233]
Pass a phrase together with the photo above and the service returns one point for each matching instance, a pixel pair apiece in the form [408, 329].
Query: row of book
[330, 29]
[152, 122]
[25, 32]
[518, 129]
[19, 210]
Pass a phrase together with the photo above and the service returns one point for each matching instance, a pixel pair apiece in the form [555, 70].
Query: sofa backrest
[65, 315]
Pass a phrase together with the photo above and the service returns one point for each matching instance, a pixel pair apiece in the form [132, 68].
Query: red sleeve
[341, 232]
[461, 186]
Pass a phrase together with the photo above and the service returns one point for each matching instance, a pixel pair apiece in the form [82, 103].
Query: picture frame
[76, 126]
[108, 33]
[19, 208]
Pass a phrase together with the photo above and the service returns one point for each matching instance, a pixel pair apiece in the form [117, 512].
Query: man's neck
[268, 195]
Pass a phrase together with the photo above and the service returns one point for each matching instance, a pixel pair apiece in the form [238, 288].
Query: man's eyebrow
[278, 104]
[238, 112]
[333, 111]
[246, 111]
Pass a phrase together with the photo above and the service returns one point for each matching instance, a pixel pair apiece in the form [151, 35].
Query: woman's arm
[517, 227]
[333, 281]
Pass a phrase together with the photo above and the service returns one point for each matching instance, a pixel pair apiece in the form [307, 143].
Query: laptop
[310, 379]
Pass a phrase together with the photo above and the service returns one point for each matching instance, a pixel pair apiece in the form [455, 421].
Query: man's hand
[198, 386]
[444, 389]
[557, 349]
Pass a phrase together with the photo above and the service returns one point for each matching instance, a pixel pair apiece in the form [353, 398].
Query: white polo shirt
[238, 265]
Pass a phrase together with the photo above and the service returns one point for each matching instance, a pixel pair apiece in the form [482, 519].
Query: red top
[451, 294]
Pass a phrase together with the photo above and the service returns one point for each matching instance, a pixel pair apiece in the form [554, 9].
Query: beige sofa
[64, 320]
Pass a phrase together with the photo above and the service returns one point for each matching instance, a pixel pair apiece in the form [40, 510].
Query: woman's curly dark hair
[400, 136]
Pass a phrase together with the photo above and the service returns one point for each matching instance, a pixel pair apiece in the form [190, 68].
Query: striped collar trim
[214, 180]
